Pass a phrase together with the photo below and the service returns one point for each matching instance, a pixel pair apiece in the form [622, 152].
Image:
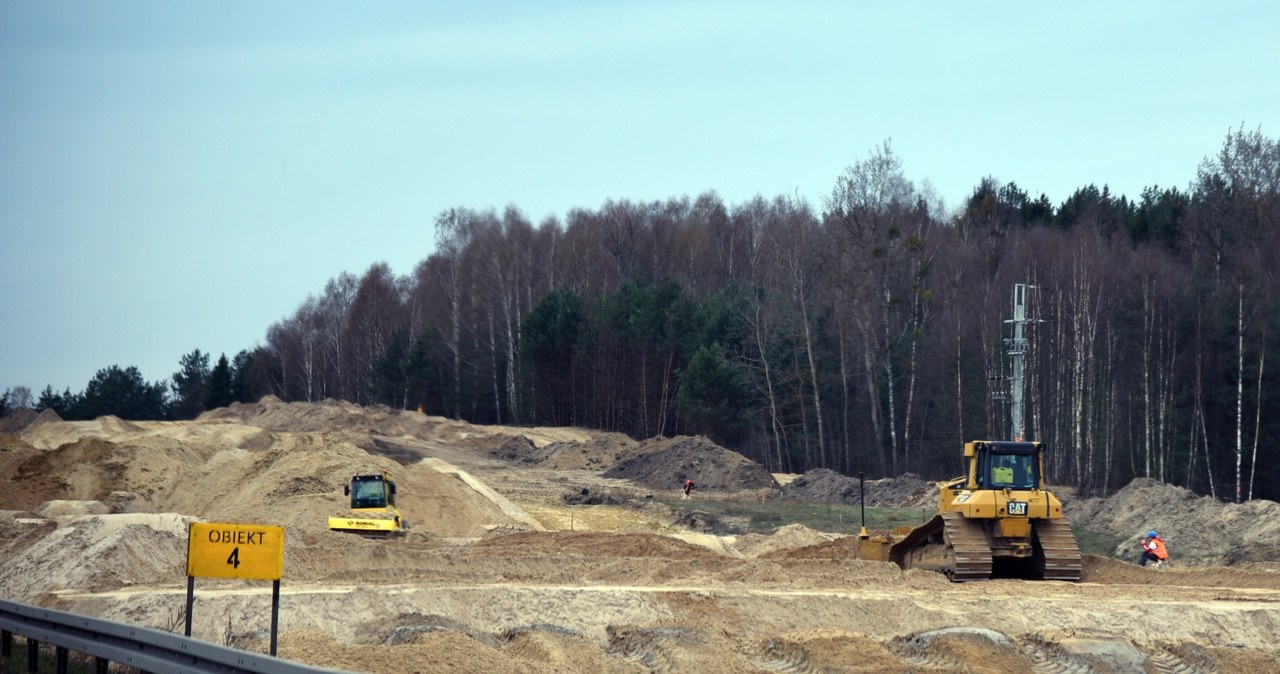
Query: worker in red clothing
[688, 487]
[1153, 550]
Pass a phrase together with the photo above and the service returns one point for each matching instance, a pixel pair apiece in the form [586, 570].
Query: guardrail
[150, 650]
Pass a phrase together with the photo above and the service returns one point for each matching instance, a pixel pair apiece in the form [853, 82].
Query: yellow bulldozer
[373, 508]
[995, 521]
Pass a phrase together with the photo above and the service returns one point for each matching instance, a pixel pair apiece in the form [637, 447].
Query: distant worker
[1153, 550]
[688, 487]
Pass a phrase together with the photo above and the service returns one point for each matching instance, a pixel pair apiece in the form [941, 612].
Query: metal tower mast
[1017, 349]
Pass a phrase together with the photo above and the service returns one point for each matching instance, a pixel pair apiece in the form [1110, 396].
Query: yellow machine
[373, 508]
[997, 521]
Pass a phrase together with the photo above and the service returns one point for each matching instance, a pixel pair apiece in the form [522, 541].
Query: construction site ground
[566, 550]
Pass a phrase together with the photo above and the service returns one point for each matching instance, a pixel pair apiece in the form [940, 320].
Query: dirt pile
[827, 486]
[665, 463]
[101, 552]
[787, 537]
[351, 421]
[23, 418]
[1197, 529]
[599, 452]
[53, 433]
[273, 414]
[28, 491]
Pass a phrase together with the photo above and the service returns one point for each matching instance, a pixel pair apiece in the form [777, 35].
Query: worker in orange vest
[1153, 550]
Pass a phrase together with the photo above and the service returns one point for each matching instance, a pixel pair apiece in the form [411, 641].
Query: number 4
[234, 560]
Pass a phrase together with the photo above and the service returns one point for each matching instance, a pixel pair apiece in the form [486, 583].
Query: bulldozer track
[1057, 545]
[784, 658]
[963, 550]
[1048, 659]
[969, 545]
[963, 553]
[646, 647]
[919, 651]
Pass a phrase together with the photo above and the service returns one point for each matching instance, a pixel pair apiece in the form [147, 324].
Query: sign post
[245, 551]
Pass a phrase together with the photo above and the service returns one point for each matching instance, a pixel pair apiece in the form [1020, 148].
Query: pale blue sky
[180, 175]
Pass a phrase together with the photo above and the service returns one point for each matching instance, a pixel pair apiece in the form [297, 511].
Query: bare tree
[871, 206]
[375, 315]
[1237, 211]
[454, 231]
[20, 397]
[330, 319]
[798, 244]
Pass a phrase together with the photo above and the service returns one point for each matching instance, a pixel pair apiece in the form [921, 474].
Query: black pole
[191, 600]
[862, 504]
[275, 613]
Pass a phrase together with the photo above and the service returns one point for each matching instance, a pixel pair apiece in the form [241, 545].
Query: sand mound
[827, 486]
[665, 463]
[23, 418]
[788, 537]
[86, 469]
[347, 419]
[600, 451]
[100, 552]
[519, 450]
[54, 433]
[1197, 529]
[334, 416]
[384, 430]
[21, 493]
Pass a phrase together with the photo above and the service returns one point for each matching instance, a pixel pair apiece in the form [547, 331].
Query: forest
[869, 333]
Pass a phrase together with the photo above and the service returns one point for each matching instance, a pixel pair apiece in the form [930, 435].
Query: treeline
[123, 392]
[867, 334]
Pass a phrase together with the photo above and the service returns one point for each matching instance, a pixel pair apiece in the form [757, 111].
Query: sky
[181, 175]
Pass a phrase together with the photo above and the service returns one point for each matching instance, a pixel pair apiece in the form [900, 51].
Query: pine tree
[219, 391]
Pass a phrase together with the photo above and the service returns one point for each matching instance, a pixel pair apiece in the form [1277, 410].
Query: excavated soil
[544, 550]
[1198, 530]
[665, 464]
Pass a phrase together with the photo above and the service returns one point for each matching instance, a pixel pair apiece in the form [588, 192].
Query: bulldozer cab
[1004, 465]
[371, 491]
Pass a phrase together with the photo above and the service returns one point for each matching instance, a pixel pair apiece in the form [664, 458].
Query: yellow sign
[235, 551]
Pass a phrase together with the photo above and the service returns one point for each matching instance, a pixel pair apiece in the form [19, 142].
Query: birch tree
[454, 231]
[865, 207]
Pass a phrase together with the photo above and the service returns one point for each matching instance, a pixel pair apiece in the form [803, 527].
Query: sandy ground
[504, 571]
